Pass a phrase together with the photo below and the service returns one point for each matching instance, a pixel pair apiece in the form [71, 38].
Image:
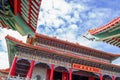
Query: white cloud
[4, 60]
[12, 33]
[62, 6]
[3, 54]
[59, 19]
[50, 14]
[69, 14]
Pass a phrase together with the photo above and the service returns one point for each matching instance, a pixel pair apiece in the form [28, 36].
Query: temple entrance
[60, 73]
[107, 77]
[57, 75]
[83, 75]
[22, 67]
[78, 77]
[40, 71]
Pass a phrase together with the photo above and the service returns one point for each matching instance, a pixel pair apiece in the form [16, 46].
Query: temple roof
[20, 15]
[15, 41]
[75, 45]
[108, 27]
[109, 33]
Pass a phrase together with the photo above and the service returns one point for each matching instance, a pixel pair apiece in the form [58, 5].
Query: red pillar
[29, 75]
[67, 76]
[48, 74]
[91, 78]
[113, 77]
[52, 72]
[64, 76]
[15, 7]
[13, 67]
[101, 78]
[70, 74]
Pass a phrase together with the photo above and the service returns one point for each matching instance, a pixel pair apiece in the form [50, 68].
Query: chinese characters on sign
[85, 68]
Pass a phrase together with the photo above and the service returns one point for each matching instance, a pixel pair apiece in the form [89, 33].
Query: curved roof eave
[99, 29]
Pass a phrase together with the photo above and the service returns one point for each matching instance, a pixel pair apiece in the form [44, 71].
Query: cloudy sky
[69, 20]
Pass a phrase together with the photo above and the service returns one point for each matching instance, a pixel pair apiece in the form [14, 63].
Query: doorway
[57, 75]
[78, 77]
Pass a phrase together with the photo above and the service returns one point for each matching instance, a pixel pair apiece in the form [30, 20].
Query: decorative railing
[17, 78]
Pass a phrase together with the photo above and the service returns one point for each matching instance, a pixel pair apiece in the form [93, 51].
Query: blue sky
[70, 19]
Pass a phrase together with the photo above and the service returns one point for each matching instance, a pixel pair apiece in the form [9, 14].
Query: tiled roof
[72, 44]
[105, 27]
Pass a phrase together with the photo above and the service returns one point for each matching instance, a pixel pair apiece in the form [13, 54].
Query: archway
[61, 69]
[60, 73]
[117, 78]
[40, 71]
[107, 77]
[22, 67]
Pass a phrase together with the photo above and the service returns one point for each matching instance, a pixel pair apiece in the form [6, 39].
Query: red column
[15, 7]
[101, 78]
[29, 75]
[48, 74]
[64, 76]
[52, 72]
[91, 78]
[13, 67]
[70, 74]
[113, 77]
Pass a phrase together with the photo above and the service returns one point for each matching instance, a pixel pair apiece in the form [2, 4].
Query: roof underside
[113, 41]
[22, 17]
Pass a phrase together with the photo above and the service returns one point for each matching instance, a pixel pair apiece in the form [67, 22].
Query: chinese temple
[48, 58]
[109, 33]
[20, 15]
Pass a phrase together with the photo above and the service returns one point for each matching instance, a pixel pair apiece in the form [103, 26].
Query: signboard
[85, 68]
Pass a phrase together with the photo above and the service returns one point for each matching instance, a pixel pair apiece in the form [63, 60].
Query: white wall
[39, 71]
